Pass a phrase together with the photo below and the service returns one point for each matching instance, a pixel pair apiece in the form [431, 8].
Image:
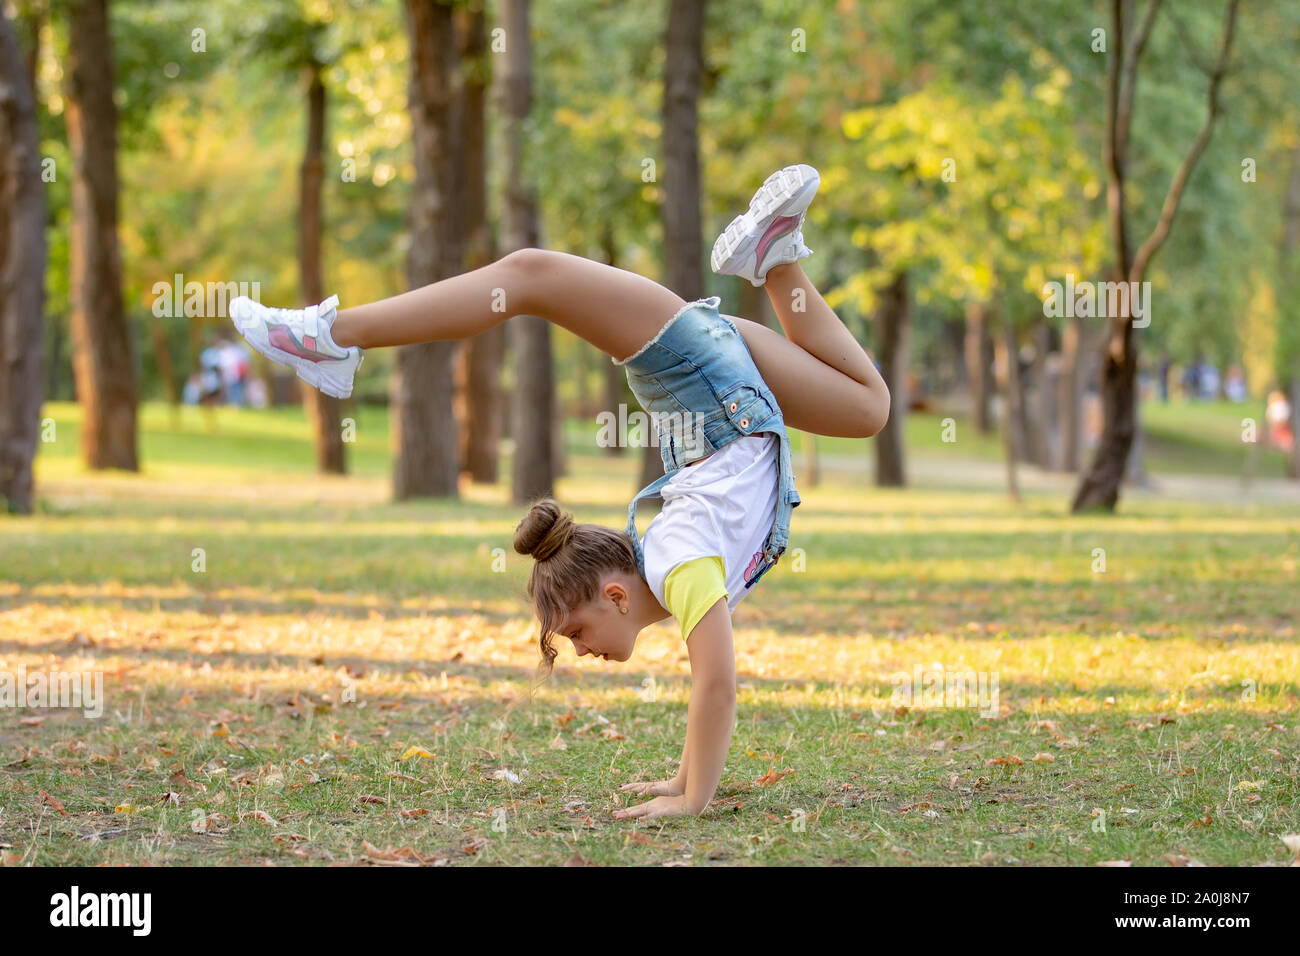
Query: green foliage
[877, 96]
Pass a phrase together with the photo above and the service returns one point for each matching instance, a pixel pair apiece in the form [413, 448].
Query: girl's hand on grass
[659, 788]
[674, 806]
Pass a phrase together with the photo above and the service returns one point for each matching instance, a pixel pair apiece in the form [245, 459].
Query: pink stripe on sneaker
[782, 225]
[282, 339]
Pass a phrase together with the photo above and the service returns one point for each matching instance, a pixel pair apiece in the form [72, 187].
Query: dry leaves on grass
[773, 776]
[261, 816]
[402, 856]
[53, 802]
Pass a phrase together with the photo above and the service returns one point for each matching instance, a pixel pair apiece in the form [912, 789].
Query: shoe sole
[739, 240]
[315, 374]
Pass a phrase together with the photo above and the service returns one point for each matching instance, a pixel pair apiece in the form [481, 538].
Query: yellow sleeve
[692, 588]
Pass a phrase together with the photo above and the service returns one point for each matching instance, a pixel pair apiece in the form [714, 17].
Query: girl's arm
[710, 716]
[680, 779]
[711, 713]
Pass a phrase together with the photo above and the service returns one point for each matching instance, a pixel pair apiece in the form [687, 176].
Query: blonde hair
[571, 559]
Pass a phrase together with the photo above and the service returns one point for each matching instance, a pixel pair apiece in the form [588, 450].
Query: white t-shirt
[723, 506]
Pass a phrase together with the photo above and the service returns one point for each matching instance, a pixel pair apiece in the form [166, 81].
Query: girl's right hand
[657, 788]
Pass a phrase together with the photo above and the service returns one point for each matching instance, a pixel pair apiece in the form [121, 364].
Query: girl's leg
[822, 378]
[615, 310]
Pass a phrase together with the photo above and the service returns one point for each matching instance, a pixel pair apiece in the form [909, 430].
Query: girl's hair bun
[544, 530]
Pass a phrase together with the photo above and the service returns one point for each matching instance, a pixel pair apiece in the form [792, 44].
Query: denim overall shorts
[697, 381]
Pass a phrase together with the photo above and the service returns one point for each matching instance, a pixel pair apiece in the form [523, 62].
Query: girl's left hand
[658, 807]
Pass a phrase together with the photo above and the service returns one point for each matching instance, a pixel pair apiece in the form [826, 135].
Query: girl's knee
[525, 267]
[528, 261]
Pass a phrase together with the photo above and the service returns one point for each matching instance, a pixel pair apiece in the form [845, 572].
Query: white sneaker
[299, 338]
[768, 234]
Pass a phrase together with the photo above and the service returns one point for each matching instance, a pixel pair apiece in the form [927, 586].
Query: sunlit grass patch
[346, 681]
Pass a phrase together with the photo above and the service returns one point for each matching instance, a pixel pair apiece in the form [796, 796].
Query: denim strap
[649, 491]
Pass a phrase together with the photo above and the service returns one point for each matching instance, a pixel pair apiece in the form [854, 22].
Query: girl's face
[598, 627]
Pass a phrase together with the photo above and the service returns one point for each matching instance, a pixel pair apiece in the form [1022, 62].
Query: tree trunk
[481, 409]
[1040, 408]
[1071, 393]
[1049, 397]
[1009, 365]
[558, 456]
[323, 411]
[103, 365]
[979, 361]
[812, 464]
[163, 359]
[615, 377]
[32, 20]
[1099, 487]
[753, 304]
[893, 334]
[22, 276]
[424, 427]
[533, 404]
[1024, 452]
[683, 229]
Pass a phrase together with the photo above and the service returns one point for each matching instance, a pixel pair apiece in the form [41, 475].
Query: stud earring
[622, 610]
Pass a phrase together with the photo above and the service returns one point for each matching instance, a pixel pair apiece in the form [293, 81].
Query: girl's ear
[613, 591]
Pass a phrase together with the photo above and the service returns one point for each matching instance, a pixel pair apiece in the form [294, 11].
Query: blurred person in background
[1277, 418]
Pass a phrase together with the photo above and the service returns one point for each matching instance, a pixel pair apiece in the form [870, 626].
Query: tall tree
[1008, 361]
[532, 419]
[683, 228]
[425, 463]
[978, 354]
[103, 364]
[1099, 487]
[893, 331]
[1070, 400]
[22, 274]
[615, 379]
[480, 405]
[322, 410]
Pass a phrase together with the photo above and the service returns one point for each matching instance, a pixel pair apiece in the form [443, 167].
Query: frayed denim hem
[712, 302]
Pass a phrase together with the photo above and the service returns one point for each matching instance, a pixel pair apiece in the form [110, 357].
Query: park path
[981, 475]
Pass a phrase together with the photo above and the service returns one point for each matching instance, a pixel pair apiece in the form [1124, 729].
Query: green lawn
[279, 705]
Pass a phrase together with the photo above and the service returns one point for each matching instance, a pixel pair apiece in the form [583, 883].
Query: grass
[346, 680]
